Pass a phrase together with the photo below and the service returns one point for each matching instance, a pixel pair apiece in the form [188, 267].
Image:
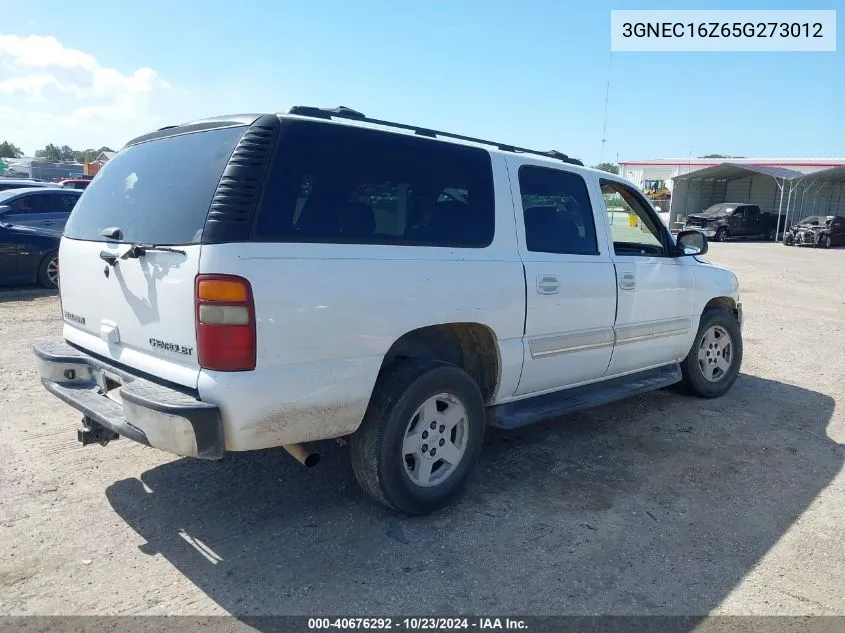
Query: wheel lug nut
[433, 452]
[424, 448]
[442, 427]
[424, 434]
[433, 425]
[442, 441]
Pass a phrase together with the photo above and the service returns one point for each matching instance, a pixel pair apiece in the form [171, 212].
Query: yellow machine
[656, 190]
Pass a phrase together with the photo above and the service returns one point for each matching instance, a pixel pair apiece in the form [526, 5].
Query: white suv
[271, 280]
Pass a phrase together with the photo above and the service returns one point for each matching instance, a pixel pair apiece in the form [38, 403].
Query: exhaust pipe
[303, 454]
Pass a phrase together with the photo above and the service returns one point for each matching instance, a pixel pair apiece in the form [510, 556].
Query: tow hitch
[93, 432]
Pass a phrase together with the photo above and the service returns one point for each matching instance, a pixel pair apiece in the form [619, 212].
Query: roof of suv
[347, 116]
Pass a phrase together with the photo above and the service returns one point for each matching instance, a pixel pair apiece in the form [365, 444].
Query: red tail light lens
[225, 316]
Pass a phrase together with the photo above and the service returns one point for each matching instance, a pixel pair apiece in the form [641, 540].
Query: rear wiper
[139, 250]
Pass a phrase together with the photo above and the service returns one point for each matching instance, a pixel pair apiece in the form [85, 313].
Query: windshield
[157, 192]
[717, 210]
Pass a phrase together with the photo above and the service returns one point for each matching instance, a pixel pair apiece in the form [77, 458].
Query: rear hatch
[139, 311]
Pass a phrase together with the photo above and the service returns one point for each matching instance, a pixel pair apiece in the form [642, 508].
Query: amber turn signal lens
[221, 290]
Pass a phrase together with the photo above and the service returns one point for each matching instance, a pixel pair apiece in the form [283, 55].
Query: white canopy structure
[784, 192]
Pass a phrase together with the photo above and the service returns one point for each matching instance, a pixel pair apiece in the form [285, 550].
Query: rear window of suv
[156, 192]
[346, 184]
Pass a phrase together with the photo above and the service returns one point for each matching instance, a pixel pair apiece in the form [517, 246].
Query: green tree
[10, 150]
[608, 167]
[51, 153]
[66, 153]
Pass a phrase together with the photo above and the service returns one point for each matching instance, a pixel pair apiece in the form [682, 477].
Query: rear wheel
[48, 270]
[721, 234]
[713, 362]
[421, 436]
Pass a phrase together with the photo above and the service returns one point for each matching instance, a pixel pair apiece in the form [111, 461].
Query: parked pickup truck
[319, 274]
[727, 220]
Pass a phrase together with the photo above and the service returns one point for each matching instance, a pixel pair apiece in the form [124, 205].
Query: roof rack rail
[342, 112]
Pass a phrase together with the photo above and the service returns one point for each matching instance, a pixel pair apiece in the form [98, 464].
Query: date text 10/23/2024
[419, 624]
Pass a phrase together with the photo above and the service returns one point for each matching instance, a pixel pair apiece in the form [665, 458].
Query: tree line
[54, 153]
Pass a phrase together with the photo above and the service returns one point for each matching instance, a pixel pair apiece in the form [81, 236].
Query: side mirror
[692, 243]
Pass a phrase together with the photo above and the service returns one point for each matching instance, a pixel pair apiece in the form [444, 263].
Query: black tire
[376, 447]
[694, 381]
[788, 239]
[45, 271]
[721, 234]
[826, 242]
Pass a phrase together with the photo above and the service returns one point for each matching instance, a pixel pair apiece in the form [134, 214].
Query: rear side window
[157, 192]
[557, 211]
[343, 184]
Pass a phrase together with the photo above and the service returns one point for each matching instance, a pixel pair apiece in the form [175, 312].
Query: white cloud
[70, 97]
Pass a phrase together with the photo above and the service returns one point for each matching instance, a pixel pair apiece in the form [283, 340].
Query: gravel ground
[658, 504]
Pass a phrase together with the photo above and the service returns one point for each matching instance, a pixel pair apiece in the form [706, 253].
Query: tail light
[225, 314]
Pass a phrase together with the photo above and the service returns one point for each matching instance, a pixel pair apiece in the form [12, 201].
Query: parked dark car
[24, 183]
[38, 206]
[727, 220]
[821, 231]
[29, 255]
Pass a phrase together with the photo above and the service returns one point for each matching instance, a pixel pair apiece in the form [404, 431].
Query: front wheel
[713, 362]
[421, 436]
[721, 235]
[788, 239]
[826, 242]
[48, 271]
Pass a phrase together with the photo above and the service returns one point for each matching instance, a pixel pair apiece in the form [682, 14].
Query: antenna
[606, 100]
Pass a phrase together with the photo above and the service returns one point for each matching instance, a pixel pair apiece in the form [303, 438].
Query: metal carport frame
[824, 190]
[698, 190]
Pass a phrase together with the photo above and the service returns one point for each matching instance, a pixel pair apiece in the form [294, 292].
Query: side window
[739, 212]
[66, 203]
[557, 212]
[344, 184]
[634, 229]
[751, 212]
[30, 204]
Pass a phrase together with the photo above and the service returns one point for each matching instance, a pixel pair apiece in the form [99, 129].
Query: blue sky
[532, 73]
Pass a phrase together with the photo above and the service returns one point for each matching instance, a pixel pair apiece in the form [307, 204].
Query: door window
[66, 203]
[634, 227]
[557, 212]
[30, 204]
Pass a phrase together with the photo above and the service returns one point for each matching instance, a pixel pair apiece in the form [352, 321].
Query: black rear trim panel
[238, 194]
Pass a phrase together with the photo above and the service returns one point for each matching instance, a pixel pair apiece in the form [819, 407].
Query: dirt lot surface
[659, 504]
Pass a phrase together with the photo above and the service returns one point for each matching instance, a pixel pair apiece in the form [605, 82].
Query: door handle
[547, 284]
[628, 281]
